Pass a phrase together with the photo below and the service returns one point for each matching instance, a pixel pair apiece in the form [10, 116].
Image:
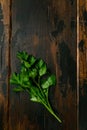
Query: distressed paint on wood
[4, 44]
[83, 65]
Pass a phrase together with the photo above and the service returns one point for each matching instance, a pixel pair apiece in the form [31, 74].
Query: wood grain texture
[46, 29]
[83, 65]
[4, 44]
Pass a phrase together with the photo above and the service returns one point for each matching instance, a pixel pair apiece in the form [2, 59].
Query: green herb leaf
[34, 94]
[51, 80]
[40, 62]
[43, 70]
[33, 73]
[30, 79]
[32, 59]
[22, 55]
[15, 79]
[18, 89]
[27, 65]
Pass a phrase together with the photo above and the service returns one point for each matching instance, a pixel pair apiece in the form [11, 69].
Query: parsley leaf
[30, 79]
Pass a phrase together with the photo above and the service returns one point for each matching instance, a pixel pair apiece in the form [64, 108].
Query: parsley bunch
[35, 79]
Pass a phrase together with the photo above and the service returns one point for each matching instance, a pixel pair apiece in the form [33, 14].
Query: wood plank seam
[77, 65]
[9, 62]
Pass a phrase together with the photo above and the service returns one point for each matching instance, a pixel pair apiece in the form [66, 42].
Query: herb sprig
[35, 79]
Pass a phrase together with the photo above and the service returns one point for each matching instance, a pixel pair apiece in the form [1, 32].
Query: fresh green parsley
[35, 79]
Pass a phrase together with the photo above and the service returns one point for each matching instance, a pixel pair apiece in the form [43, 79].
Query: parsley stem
[51, 111]
[46, 103]
[39, 88]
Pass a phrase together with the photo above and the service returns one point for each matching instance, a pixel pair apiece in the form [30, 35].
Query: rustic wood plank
[46, 30]
[4, 63]
[83, 65]
[65, 47]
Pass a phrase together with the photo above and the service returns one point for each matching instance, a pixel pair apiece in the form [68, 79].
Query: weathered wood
[41, 28]
[83, 65]
[46, 29]
[4, 63]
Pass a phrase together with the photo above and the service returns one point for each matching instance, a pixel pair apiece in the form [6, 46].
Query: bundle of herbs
[35, 79]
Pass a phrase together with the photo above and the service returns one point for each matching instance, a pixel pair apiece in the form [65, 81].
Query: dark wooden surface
[46, 29]
[83, 65]
[4, 64]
